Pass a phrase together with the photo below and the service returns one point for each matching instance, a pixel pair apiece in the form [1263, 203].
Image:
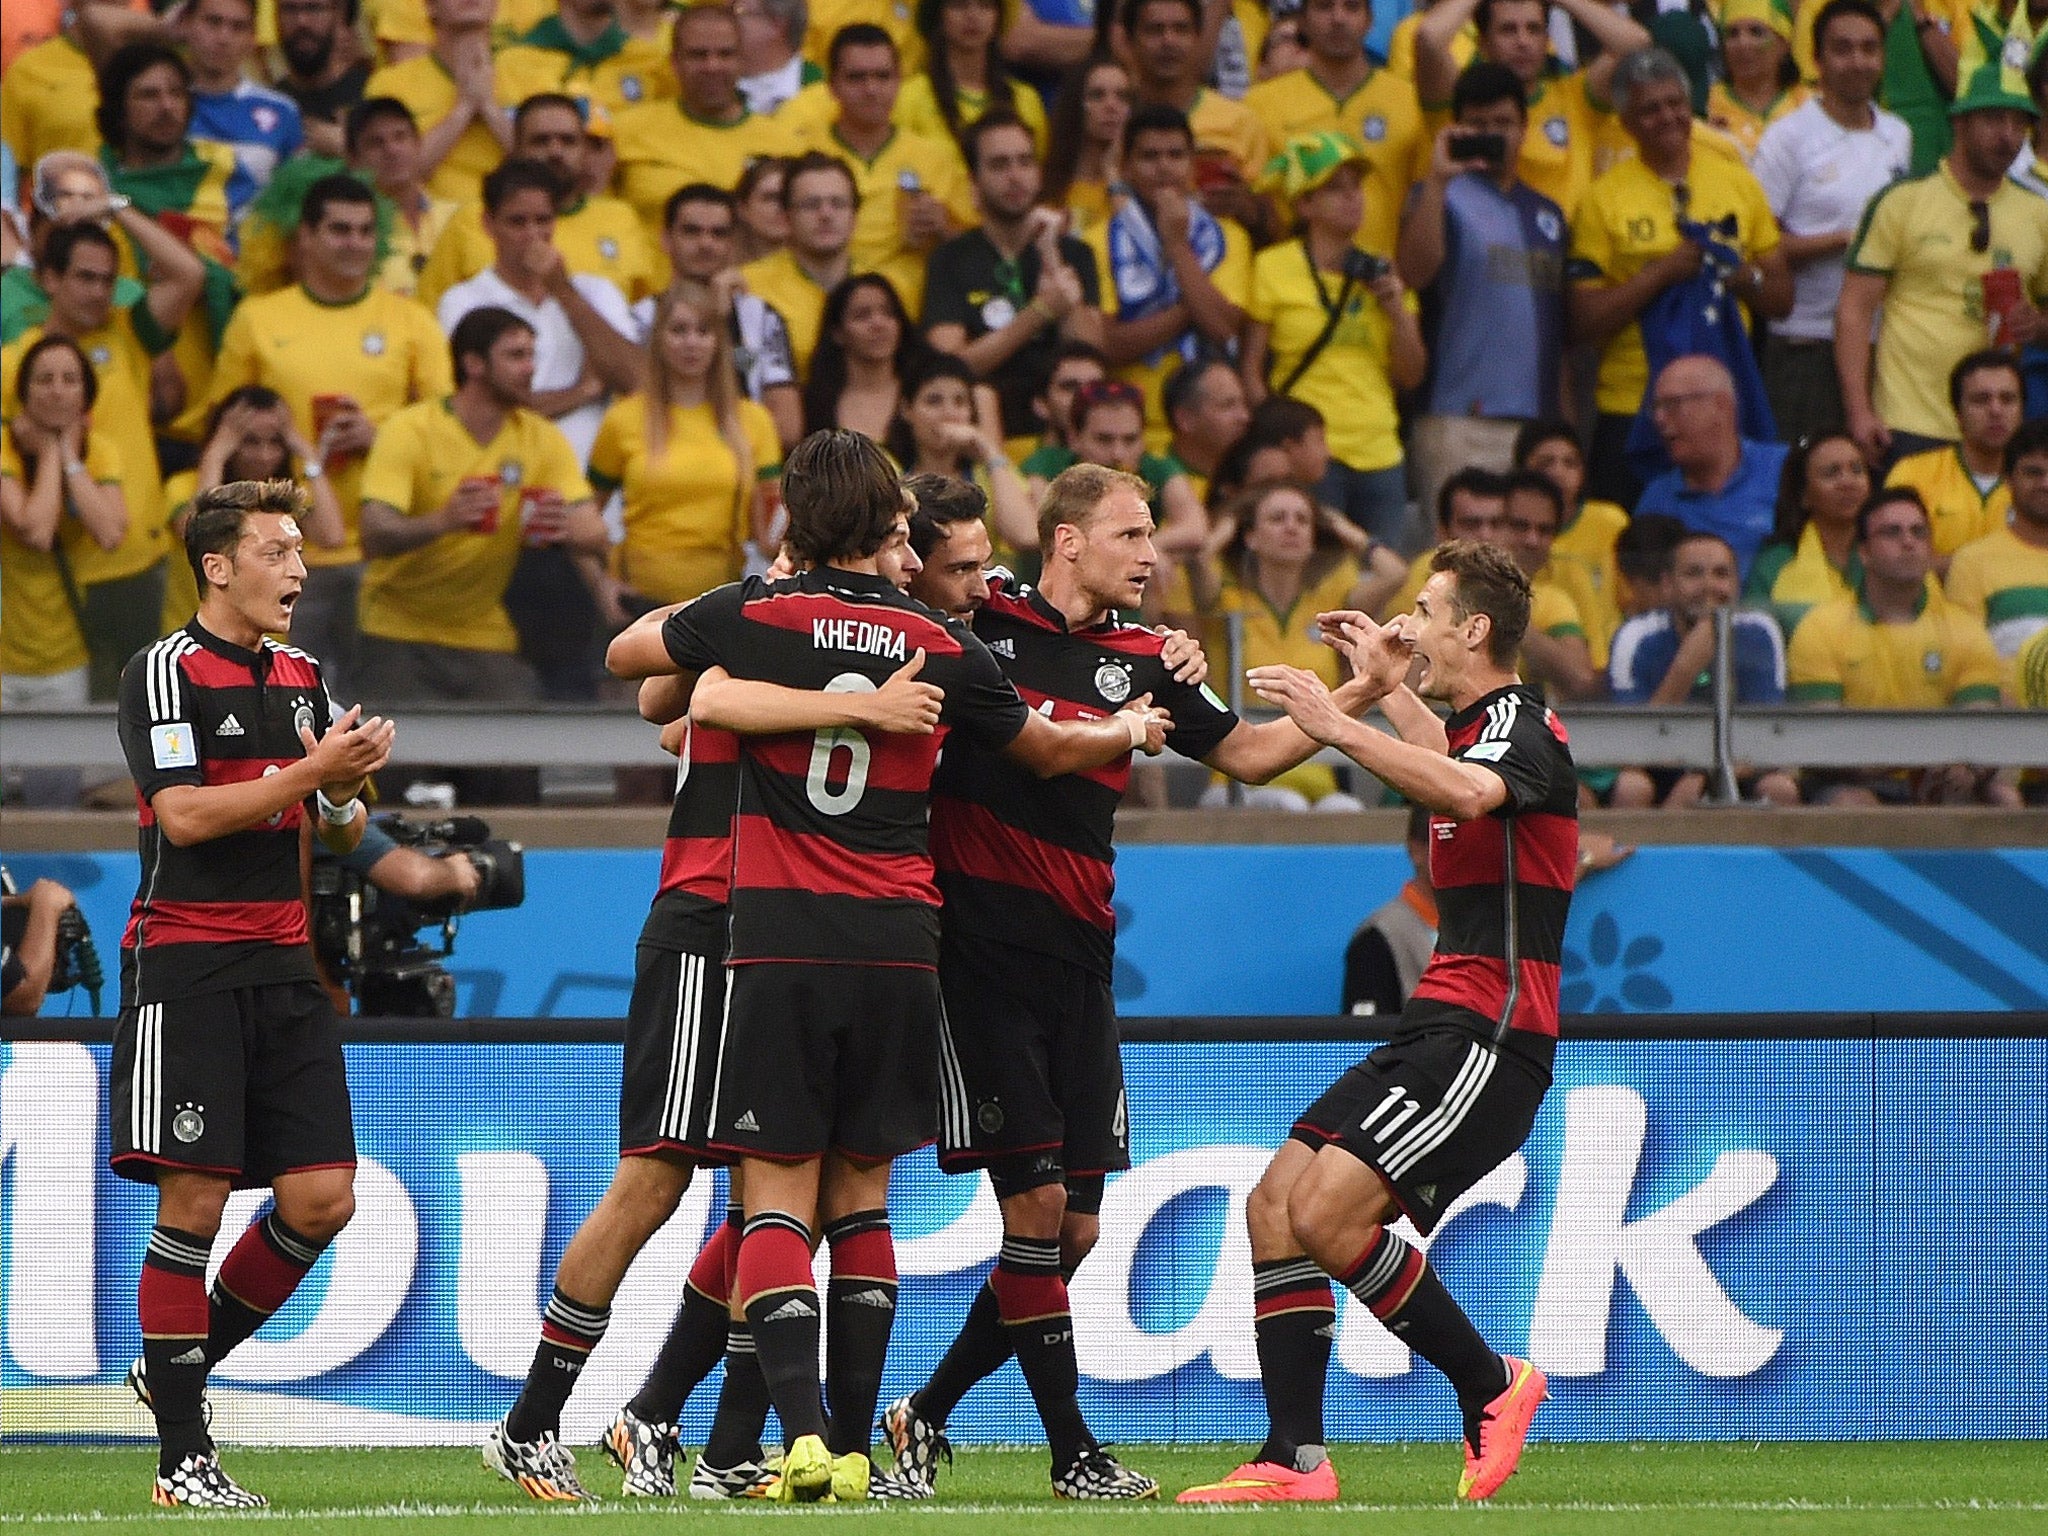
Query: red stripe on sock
[773, 1258]
[562, 1338]
[1307, 1298]
[712, 1274]
[1027, 1298]
[170, 1305]
[1395, 1296]
[257, 1275]
[869, 1255]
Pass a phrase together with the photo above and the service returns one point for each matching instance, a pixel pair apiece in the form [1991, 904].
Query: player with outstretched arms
[828, 1069]
[227, 1069]
[1455, 1091]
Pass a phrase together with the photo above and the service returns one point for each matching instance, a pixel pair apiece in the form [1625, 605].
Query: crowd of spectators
[1685, 306]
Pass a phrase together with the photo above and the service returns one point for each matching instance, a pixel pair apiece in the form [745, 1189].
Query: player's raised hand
[1377, 653]
[905, 706]
[1304, 697]
[354, 747]
[1157, 722]
[1183, 656]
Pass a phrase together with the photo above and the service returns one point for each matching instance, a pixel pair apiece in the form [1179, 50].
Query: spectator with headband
[1759, 82]
[1963, 483]
[1179, 275]
[1944, 265]
[1338, 329]
[1486, 251]
[1820, 165]
[1630, 258]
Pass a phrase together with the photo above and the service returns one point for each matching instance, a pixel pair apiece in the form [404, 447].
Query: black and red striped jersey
[696, 855]
[229, 912]
[830, 852]
[1029, 861]
[1504, 880]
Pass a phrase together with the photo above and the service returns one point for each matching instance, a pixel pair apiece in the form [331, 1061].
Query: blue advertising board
[1711, 1239]
[1260, 930]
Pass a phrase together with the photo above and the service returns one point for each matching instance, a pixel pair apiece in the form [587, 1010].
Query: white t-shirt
[557, 349]
[769, 90]
[1819, 177]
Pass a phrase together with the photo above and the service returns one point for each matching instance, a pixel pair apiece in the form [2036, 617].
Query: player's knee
[645, 1191]
[1036, 1212]
[1312, 1211]
[319, 1214]
[1078, 1236]
[1265, 1213]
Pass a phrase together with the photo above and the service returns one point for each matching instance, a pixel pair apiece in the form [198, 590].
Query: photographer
[1338, 328]
[28, 961]
[1486, 252]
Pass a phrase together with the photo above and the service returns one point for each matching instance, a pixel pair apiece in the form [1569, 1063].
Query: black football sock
[1396, 1282]
[697, 1338]
[742, 1404]
[782, 1311]
[861, 1302]
[976, 1353]
[170, 1301]
[569, 1331]
[1294, 1320]
[256, 1278]
[1033, 1298]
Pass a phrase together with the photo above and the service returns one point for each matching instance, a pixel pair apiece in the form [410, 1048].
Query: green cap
[1309, 160]
[1991, 73]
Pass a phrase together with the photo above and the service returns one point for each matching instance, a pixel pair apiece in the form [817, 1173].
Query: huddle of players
[859, 946]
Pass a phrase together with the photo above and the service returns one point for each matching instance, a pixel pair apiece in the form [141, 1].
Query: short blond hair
[1077, 494]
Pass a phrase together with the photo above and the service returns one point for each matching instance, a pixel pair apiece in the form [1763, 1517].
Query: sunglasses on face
[1980, 227]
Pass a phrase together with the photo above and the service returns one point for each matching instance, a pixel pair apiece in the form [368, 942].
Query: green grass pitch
[1918, 1489]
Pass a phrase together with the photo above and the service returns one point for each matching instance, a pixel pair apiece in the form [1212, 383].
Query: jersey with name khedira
[1504, 880]
[830, 854]
[1026, 860]
[228, 912]
[696, 853]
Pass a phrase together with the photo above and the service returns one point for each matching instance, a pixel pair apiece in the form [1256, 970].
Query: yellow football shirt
[2002, 581]
[1916, 234]
[1382, 117]
[688, 511]
[405, 21]
[906, 161]
[1232, 276]
[181, 587]
[1348, 381]
[121, 362]
[814, 109]
[637, 73]
[1401, 46]
[1842, 655]
[50, 97]
[1582, 563]
[451, 591]
[1742, 123]
[1960, 512]
[383, 350]
[1273, 638]
[39, 635]
[1557, 151]
[662, 147]
[429, 93]
[779, 281]
[917, 109]
[898, 18]
[1629, 219]
[599, 237]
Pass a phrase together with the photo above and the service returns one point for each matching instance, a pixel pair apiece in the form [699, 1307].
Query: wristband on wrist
[1134, 722]
[336, 815]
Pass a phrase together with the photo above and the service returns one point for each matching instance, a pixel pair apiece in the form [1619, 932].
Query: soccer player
[664, 1104]
[1033, 1085]
[227, 1056]
[1427, 1115]
[829, 1065]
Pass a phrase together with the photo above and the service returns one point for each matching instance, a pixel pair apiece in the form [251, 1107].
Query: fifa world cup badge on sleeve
[171, 746]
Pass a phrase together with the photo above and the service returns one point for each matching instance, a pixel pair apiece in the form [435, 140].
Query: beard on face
[307, 52]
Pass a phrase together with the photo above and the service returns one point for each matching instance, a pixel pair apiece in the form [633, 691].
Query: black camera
[369, 939]
[77, 962]
[1492, 148]
[1364, 267]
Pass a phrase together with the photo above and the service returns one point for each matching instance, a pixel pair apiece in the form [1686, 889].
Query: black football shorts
[671, 1058]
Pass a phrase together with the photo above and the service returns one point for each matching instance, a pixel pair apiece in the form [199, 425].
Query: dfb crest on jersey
[1112, 682]
[189, 1123]
[302, 715]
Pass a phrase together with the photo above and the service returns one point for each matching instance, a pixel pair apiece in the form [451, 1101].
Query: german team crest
[1112, 682]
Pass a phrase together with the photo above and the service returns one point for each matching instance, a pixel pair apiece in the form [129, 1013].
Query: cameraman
[1339, 329]
[1486, 251]
[27, 963]
[396, 870]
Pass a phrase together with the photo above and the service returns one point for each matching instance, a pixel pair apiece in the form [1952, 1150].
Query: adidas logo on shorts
[746, 1122]
[229, 727]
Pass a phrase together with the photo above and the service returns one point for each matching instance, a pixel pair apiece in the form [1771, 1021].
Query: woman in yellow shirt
[1762, 82]
[1283, 560]
[1811, 556]
[1321, 287]
[964, 73]
[951, 426]
[60, 489]
[762, 222]
[1088, 118]
[250, 435]
[698, 464]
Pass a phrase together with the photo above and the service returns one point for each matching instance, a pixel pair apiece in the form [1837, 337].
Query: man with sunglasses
[1944, 264]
